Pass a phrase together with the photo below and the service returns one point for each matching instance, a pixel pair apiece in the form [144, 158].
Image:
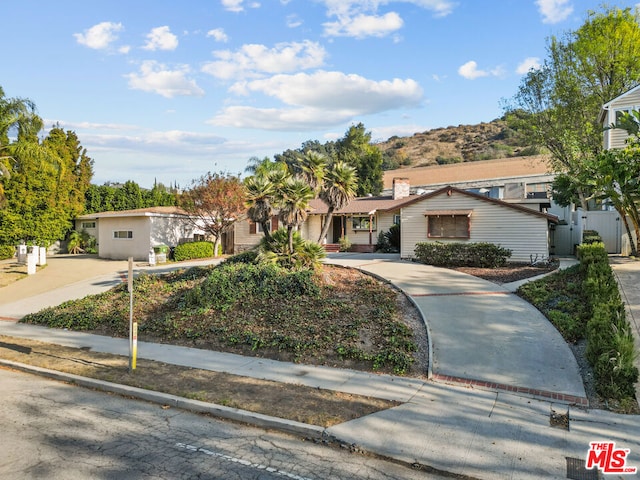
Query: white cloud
[100, 36]
[361, 26]
[293, 21]
[238, 5]
[161, 38]
[360, 18]
[529, 63]
[554, 11]
[319, 100]
[218, 35]
[157, 78]
[253, 60]
[470, 71]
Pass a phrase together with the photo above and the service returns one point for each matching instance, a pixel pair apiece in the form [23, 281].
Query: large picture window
[362, 222]
[448, 224]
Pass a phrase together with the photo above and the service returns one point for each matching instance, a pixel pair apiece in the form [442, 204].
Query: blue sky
[168, 90]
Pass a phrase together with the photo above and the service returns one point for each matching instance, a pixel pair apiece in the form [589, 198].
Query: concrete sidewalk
[476, 430]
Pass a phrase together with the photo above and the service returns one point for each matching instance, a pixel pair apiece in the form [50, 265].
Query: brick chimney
[401, 188]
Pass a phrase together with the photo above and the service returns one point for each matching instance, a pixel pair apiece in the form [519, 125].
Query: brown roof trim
[447, 213]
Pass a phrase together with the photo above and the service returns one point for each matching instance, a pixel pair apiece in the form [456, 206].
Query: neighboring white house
[133, 233]
[610, 113]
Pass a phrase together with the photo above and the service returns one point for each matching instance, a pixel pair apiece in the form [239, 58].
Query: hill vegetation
[464, 143]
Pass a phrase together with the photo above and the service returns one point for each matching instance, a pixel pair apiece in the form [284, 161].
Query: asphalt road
[54, 430]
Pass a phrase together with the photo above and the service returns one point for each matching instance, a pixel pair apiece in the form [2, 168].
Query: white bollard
[22, 254]
[31, 263]
[42, 257]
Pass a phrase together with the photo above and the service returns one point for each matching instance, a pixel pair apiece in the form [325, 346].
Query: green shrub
[591, 236]
[248, 256]
[191, 250]
[482, 254]
[610, 348]
[389, 241]
[345, 243]
[568, 325]
[7, 251]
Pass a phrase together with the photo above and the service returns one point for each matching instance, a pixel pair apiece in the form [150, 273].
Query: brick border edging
[561, 397]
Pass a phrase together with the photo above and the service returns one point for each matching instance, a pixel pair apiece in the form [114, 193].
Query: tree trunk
[290, 232]
[265, 229]
[325, 226]
[216, 246]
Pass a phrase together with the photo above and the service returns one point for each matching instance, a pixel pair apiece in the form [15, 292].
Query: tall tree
[355, 148]
[583, 70]
[214, 203]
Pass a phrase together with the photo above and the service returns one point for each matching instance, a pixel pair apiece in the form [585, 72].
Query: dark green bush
[389, 241]
[482, 255]
[610, 348]
[231, 282]
[591, 236]
[248, 256]
[191, 250]
[6, 251]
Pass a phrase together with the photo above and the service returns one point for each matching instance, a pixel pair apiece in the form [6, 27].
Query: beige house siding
[122, 248]
[616, 138]
[243, 239]
[525, 235]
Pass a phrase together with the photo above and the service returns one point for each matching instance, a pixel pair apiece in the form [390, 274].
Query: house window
[121, 234]
[259, 227]
[448, 225]
[86, 225]
[363, 222]
[396, 219]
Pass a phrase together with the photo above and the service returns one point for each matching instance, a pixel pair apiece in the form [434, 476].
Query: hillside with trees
[455, 144]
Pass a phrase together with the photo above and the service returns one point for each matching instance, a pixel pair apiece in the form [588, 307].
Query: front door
[337, 229]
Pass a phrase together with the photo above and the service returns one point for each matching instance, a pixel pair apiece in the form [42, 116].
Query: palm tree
[312, 169]
[260, 191]
[293, 198]
[338, 189]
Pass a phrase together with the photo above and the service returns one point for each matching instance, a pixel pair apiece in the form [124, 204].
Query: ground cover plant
[584, 304]
[333, 316]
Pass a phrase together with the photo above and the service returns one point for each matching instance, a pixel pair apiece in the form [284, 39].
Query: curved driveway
[480, 333]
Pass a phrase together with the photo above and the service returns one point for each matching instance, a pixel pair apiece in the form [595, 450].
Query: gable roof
[482, 198]
[605, 107]
[366, 205]
[138, 212]
[501, 168]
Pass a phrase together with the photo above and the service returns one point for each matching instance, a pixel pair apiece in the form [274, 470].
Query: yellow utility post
[133, 326]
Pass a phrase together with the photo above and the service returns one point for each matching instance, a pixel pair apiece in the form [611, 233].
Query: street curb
[196, 406]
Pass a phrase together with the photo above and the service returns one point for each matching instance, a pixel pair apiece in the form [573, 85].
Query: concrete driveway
[481, 334]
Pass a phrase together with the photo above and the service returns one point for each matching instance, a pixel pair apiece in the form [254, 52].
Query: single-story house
[610, 113]
[448, 214]
[133, 233]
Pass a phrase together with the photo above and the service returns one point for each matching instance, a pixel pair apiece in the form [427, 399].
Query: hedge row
[7, 251]
[191, 250]
[610, 347]
[483, 255]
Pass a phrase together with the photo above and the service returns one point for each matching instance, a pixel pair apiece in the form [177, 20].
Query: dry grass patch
[293, 402]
